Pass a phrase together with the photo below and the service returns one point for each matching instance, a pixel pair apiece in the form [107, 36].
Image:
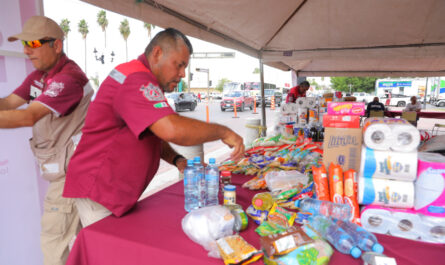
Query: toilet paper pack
[384, 192]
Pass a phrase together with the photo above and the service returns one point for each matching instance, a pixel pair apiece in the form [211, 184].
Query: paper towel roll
[385, 192]
[433, 229]
[407, 138]
[377, 135]
[376, 220]
[406, 225]
[388, 164]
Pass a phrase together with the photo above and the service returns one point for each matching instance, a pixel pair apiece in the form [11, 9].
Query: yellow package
[235, 250]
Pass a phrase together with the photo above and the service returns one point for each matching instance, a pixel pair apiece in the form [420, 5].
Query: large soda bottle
[199, 173]
[362, 238]
[341, 240]
[334, 210]
[212, 182]
[191, 188]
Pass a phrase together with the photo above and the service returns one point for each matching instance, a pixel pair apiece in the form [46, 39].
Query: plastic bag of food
[235, 250]
[282, 180]
[205, 225]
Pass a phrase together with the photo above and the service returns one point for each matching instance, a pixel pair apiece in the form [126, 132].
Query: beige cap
[39, 27]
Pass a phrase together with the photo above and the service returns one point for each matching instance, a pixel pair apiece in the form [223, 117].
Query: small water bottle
[341, 240]
[191, 188]
[334, 210]
[199, 173]
[362, 238]
[212, 182]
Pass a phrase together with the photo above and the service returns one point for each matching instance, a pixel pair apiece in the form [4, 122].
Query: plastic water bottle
[199, 173]
[212, 183]
[362, 238]
[334, 210]
[191, 188]
[341, 240]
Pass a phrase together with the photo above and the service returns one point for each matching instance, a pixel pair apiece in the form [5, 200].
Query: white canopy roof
[313, 37]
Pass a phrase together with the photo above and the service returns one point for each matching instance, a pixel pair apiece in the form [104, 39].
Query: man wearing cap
[58, 95]
[297, 92]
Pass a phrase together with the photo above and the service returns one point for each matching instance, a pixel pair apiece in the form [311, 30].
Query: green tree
[65, 25]
[314, 83]
[124, 29]
[95, 80]
[256, 70]
[221, 83]
[355, 84]
[83, 29]
[149, 28]
[103, 23]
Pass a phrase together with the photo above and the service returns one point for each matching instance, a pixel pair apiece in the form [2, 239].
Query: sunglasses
[35, 43]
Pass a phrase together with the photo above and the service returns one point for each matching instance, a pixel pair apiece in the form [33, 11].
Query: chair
[376, 113]
[410, 116]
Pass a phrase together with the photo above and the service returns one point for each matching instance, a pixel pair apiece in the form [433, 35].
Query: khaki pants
[90, 211]
[60, 224]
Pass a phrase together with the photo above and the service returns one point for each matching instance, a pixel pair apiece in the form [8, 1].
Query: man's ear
[58, 44]
[157, 54]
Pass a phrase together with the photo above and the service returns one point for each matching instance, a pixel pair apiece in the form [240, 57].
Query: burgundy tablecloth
[151, 234]
[421, 114]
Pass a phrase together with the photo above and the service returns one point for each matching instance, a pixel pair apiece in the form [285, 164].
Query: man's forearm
[168, 153]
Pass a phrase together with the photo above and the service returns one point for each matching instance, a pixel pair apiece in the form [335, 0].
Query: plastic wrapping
[205, 225]
[281, 180]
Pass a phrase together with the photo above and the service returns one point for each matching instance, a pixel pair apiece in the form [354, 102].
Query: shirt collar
[62, 61]
[144, 60]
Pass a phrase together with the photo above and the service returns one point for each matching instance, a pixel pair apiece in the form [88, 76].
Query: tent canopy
[312, 37]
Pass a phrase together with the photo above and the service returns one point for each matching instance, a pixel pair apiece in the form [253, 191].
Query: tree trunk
[66, 45]
[86, 57]
[105, 34]
[126, 51]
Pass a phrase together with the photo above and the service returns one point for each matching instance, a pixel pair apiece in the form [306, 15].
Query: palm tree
[103, 23]
[124, 29]
[149, 27]
[83, 29]
[65, 25]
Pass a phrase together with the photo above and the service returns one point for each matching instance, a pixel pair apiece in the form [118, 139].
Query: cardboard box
[346, 108]
[342, 146]
[341, 121]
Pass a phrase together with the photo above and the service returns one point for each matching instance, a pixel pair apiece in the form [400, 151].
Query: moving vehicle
[268, 93]
[396, 100]
[182, 101]
[363, 97]
[241, 98]
[255, 87]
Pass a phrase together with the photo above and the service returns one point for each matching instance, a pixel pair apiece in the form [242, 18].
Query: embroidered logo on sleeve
[152, 92]
[160, 105]
[54, 89]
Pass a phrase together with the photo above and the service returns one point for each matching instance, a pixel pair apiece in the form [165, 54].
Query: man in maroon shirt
[128, 129]
[58, 94]
[297, 91]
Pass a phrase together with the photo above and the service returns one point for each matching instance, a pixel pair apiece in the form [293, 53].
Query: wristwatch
[176, 159]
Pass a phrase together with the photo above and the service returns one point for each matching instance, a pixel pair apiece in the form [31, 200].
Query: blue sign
[395, 83]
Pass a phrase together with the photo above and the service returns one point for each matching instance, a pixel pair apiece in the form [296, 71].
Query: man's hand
[235, 141]
[181, 163]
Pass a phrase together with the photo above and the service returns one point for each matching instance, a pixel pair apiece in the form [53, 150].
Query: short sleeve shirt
[60, 89]
[118, 155]
[415, 107]
[293, 94]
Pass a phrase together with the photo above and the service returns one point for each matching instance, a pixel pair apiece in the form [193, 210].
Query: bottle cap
[355, 252]
[226, 173]
[212, 161]
[189, 162]
[229, 187]
[197, 159]
[377, 248]
[297, 203]
[258, 202]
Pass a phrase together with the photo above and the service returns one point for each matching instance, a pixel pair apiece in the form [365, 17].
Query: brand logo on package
[386, 196]
[387, 167]
[343, 140]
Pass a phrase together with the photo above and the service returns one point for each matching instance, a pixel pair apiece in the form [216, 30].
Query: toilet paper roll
[385, 192]
[387, 133]
[406, 136]
[311, 102]
[406, 225]
[376, 134]
[433, 229]
[301, 102]
[376, 220]
[388, 164]
[285, 109]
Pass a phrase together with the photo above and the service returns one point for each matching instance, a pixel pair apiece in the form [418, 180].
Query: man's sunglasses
[35, 43]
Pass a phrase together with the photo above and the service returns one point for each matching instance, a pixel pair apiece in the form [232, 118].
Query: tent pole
[263, 105]
[424, 96]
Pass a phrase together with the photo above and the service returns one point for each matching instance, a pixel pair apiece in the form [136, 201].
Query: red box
[341, 121]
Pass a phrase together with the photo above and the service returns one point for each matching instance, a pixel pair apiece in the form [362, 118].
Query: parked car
[395, 100]
[182, 101]
[363, 97]
[268, 93]
[440, 103]
[242, 100]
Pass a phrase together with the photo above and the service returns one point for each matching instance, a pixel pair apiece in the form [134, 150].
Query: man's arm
[169, 154]
[23, 117]
[186, 131]
[11, 102]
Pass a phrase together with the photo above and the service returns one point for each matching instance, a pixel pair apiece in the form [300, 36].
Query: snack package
[269, 228]
[257, 216]
[350, 191]
[290, 216]
[336, 183]
[321, 183]
[285, 242]
[235, 250]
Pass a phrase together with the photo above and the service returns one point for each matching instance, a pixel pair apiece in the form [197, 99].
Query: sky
[238, 69]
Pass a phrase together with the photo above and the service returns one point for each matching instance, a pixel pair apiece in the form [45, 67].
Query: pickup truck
[363, 97]
[396, 100]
